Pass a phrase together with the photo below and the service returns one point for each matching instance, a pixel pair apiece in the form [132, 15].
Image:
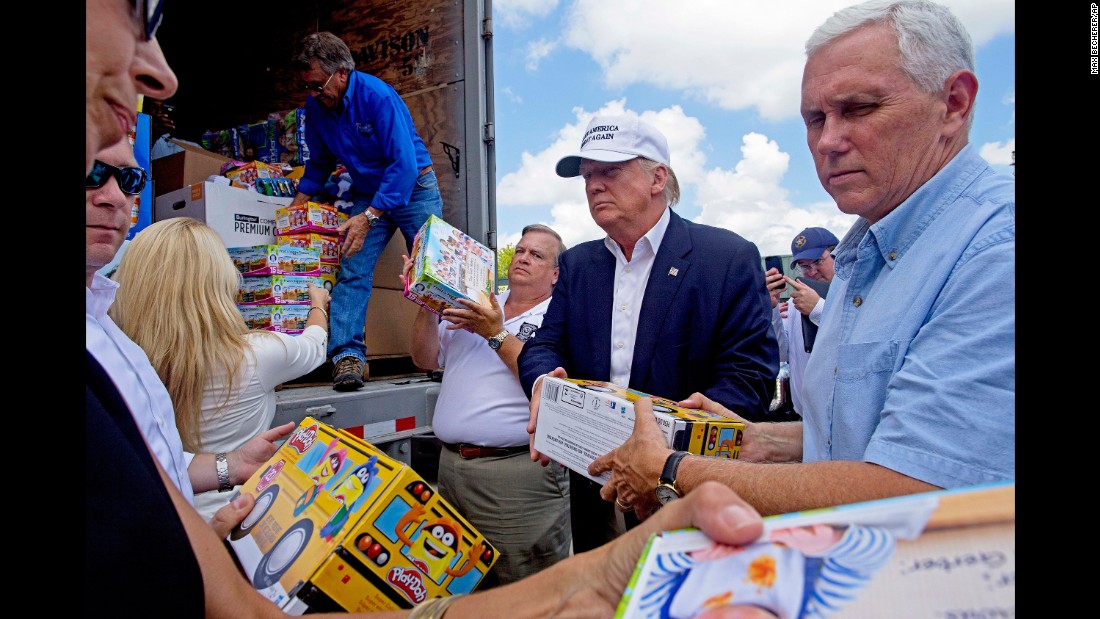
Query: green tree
[504, 260]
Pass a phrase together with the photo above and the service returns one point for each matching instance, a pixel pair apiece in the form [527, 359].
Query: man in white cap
[660, 305]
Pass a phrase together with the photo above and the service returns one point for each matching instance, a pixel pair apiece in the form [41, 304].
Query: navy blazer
[704, 325]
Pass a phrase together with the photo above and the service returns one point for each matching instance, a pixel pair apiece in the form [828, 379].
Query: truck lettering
[386, 47]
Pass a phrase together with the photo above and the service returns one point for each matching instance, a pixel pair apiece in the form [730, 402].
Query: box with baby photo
[340, 526]
[941, 555]
[449, 265]
[580, 420]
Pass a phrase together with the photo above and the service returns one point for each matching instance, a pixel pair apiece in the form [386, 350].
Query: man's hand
[476, 318]
[355, 231]
[636, 464]
[598, 584]
[536, 397]
[231, 514]
[803, 297]
[256, 452]
[775, 283]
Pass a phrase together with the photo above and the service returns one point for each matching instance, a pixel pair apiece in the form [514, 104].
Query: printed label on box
[581, 420]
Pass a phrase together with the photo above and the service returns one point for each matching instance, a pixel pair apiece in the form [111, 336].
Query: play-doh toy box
[340, 526]
[580, 420]
[276, 289]
[449, 265]
[308, 217]
[280, 259]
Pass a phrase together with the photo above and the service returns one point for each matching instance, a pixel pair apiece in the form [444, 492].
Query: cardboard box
[290, 319]
[581, 420]
[340, 525]
[280, 259]
[179, 170]
[388, 328]
[449, 265]
[327, 245]
[276, 289]
[241, 217]
[308, 217]
[945, 554]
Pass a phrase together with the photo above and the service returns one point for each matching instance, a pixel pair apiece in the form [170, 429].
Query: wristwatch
[497, 340]
[371, 217]
[221, 463]
[666, 486]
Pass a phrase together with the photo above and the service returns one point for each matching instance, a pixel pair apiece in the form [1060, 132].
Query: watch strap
[672, 464]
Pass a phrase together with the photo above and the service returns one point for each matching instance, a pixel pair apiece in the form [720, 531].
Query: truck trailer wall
[233, 66]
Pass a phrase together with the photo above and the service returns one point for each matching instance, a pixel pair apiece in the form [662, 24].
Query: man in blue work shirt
[360, 121]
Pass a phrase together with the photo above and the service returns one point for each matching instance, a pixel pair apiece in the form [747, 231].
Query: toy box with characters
[327, 244]
[946, 554]
[580, 420]
[340, 526]
[448, 265]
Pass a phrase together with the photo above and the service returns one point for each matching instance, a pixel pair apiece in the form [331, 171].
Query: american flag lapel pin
[673, 271]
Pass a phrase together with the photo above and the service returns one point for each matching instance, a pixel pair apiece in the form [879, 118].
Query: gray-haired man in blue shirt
[358, 120]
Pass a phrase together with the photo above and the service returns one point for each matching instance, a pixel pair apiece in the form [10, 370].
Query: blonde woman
[177, 300]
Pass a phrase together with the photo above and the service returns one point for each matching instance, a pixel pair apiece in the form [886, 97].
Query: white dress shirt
[630, 284]
[129, 367]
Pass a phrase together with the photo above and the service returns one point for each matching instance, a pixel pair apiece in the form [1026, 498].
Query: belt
[469, 452]
[424, 171]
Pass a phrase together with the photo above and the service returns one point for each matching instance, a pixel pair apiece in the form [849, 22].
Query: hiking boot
[348, 374]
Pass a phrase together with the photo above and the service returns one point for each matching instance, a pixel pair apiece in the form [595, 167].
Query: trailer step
[378, 367]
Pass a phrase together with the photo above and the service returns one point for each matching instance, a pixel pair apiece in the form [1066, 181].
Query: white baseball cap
[616, 138]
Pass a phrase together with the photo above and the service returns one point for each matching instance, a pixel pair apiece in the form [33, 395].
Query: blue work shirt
[374, 137]
[914, 367]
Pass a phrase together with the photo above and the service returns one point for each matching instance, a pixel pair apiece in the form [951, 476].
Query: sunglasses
[319, 89]
[149, 12]
[131, 179]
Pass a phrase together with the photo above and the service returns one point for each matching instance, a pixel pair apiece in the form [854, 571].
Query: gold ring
[622, 507]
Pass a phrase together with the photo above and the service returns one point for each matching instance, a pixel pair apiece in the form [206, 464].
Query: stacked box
[339, 525]
[327, 244]
[449, 265]
[290, 319]
[308, 217]
[249, 173]
[276, 289]
[280, 259]
[581, 420]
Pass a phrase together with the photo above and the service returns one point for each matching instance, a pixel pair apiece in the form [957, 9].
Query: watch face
[666, 494]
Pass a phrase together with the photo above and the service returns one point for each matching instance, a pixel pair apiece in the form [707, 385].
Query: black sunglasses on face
[131, 179]
[150, 13]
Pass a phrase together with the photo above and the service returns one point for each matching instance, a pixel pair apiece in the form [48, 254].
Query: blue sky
[720, 78]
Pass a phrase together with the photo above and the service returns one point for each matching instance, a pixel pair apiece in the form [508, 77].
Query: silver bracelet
[221, 465]
[320, 309]
[433, 608]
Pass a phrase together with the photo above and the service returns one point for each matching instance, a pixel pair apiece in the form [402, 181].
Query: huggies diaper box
[281, 259]
[275, 289]
[449, 265]
[581, 420]
[308, 217]
[340, 526]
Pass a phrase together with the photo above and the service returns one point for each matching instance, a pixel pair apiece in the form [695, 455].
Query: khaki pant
[521, 507]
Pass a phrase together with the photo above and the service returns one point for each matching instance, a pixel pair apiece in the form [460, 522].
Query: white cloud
[536, 51]
[518, 13]
[748, 199]
[999, 153]
[735, 54]
[510, 94]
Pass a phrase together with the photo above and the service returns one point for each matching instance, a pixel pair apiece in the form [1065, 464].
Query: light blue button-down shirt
[914, 367]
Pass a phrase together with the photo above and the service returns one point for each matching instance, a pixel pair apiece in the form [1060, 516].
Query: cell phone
[773, 262]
